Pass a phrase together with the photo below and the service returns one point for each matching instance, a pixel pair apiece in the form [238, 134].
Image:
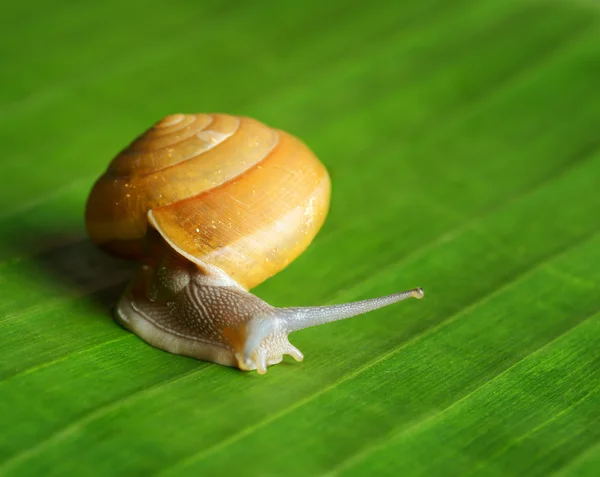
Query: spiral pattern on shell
[227, 191]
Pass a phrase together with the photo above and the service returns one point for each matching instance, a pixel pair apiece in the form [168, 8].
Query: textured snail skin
[213, 205]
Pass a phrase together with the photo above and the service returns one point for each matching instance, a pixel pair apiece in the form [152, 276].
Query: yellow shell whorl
[227, 190]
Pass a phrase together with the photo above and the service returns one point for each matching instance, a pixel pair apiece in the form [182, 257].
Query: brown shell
[228, 191]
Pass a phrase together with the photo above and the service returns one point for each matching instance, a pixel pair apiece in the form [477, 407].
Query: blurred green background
[463, 141]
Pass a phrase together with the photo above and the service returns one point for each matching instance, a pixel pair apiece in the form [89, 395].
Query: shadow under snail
[212, 205]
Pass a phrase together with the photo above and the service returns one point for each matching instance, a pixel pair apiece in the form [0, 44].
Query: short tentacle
[261, 361]
[294, 352]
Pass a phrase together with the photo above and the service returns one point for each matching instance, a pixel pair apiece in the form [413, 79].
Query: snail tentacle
[298, 318]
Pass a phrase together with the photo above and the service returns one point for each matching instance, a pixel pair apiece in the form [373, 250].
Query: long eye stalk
[298, 318]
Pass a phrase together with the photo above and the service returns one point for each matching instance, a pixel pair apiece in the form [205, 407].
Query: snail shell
[212, 205]
[228, 191]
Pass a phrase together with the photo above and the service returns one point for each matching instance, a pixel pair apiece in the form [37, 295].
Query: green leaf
[463, 141]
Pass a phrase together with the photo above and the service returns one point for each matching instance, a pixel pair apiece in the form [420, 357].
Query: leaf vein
[360, 456]
[99, 412]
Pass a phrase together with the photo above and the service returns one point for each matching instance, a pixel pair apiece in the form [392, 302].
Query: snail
[212, 205]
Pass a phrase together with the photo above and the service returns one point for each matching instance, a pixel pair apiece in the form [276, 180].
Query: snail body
[213, 205]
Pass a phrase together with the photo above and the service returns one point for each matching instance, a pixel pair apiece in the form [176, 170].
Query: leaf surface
[463, 142]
